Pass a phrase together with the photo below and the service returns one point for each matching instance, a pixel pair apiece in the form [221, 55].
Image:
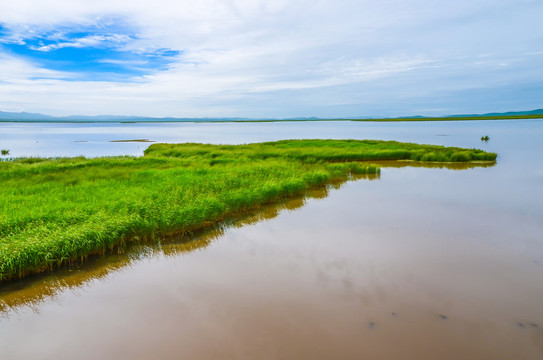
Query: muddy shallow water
[420, 263]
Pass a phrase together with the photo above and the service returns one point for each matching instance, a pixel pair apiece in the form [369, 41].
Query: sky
[270, 58]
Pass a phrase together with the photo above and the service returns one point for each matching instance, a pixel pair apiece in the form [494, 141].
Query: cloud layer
[259, 58]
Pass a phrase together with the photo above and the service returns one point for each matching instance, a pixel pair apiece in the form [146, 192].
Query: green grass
[314, 151]
[403, 119]
[461, 118]
[134, 140]
[55, 212]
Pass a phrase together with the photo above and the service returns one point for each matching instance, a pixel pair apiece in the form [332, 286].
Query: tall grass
[57, 211]
[312, 151]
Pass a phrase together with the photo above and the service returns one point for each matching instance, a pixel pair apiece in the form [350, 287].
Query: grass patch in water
[59, 211]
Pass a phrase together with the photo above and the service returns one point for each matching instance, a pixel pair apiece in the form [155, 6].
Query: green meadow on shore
[55, 212]
[407, 119]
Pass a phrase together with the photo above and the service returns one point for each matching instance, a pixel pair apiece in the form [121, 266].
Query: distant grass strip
[461, 117]
[404, 119]
[135, 140]
[58, 211]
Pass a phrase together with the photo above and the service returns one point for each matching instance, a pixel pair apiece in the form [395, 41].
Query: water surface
[420, 263]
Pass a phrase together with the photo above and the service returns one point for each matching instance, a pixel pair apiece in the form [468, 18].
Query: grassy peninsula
[55, 212]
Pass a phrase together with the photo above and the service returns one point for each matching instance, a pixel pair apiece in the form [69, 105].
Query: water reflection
[37, 289]
[434, 165]
[422, 264]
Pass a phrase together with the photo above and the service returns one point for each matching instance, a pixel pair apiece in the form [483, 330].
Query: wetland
[415, 261]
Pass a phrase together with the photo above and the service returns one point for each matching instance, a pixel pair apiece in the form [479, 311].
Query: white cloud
[18, 71]
[124, 62]
[239, 54]
[87, 41]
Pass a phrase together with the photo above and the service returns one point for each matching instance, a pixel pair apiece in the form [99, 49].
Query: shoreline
[400, 119]
[60, 211]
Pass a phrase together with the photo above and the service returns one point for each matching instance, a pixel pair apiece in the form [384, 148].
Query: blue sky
[95, 52]
[264, 58]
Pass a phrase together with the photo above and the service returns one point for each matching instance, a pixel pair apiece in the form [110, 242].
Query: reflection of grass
[434, 165]
[32, 291]
[59, 211]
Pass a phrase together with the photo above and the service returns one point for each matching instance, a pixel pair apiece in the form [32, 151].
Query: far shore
[173, 120]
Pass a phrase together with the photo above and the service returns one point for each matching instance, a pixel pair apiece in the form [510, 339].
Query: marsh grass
[55, 212]
[37, 288]
[405, 119]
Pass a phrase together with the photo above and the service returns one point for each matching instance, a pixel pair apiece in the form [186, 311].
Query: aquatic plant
[4, 152]
[312, 151]
[55, 212]
[485, 138]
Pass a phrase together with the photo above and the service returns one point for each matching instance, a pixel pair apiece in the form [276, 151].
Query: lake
[418, 263]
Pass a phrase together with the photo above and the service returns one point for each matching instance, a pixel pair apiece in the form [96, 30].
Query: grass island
[57, 211]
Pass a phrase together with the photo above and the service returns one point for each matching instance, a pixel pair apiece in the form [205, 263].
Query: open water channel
[419, 263]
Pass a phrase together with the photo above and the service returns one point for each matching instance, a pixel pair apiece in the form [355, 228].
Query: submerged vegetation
[55, 212]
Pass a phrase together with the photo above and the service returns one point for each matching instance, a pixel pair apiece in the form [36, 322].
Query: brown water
[420, 263]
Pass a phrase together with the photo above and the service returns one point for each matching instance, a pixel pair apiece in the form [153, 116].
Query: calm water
[420, 263]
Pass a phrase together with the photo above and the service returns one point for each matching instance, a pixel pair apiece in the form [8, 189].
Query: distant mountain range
[25, 116]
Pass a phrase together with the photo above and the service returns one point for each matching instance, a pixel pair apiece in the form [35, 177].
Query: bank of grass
[462, 118]
[58, 211]
[404, 119]
[315, 151]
